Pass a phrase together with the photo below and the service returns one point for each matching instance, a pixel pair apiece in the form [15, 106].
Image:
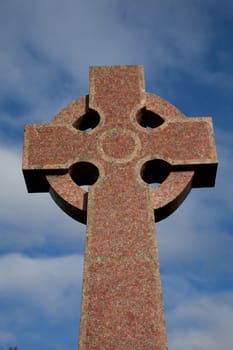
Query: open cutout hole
[84, 174]
[148, 119]
[155, 171]
[88, 121]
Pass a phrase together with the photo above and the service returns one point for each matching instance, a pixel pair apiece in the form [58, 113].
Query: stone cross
[119, 139]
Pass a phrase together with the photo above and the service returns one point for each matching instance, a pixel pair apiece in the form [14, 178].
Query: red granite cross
[118, 139]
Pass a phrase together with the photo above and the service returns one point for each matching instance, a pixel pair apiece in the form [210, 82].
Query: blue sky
[47, 47]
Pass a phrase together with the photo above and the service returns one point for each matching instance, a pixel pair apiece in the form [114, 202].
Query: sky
[46, 48]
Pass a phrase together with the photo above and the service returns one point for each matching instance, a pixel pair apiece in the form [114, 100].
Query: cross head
[118, 140]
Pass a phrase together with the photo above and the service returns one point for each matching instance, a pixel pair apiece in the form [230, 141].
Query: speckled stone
[122, 304]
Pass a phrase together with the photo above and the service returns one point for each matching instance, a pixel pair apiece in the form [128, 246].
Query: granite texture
[127, 134]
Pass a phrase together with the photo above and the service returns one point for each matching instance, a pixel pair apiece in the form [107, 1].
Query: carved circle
[119, 145]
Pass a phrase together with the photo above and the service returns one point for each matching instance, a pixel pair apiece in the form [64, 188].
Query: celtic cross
[118, 140]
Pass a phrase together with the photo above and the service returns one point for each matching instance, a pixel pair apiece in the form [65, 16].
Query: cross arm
[49, 150]
[187, 144]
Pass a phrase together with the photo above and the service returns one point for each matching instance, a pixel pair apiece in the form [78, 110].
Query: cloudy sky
[47, 47]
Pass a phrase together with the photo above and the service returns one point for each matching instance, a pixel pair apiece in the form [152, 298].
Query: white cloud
[204, 322]
[50, 286]
[36, 291]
